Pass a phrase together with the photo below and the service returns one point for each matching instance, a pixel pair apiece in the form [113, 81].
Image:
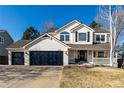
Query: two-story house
[5, 40]
[72, 43]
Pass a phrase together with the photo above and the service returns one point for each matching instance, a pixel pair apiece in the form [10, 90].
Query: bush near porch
[97, 77]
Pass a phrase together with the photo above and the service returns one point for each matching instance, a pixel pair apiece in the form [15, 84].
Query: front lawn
[98, 77]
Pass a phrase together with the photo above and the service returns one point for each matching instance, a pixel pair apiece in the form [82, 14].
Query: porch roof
[101, 46]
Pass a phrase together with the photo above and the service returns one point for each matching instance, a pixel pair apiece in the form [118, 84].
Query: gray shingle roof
[101, 46]
[19, 44]
[101, 30]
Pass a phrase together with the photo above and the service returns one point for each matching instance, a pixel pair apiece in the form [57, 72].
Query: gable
[42, 38]
[82, 27]
[48, 44]
[68, 26]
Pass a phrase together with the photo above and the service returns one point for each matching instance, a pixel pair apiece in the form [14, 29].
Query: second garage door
[46, 58]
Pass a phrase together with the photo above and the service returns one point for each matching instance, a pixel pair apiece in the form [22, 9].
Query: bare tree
[117, 14]
[46, 25]
[111, 18]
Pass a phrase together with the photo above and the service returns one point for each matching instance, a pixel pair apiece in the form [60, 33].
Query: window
[101, 54]
[97, 37]
[1, 40]
[100, 38]
[67, 38]
[64, 36]
[82, 36]
[61, 37]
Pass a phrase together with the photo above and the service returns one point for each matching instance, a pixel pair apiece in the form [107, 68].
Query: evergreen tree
[30, 34]
[95, 25]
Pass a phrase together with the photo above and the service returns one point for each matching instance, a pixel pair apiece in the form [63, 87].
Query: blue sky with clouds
[15, 19]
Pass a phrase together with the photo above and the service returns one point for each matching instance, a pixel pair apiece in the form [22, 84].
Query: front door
[83, 55]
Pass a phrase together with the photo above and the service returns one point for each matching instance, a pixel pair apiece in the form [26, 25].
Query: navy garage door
[46, 58]
[17, 58]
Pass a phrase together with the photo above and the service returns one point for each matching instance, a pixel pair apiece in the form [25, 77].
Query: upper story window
[64, 36]
[100, 38]
[1, 40]
[82, 36]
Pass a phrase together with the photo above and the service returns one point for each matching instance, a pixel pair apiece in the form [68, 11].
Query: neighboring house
[72, 43]
[5, 40]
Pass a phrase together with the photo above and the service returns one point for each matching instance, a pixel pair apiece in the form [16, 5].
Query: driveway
[30, 77]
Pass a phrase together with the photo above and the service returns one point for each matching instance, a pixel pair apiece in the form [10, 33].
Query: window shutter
[88, 35]
[76, 36]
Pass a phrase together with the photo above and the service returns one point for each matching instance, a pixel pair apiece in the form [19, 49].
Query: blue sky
[15, 19]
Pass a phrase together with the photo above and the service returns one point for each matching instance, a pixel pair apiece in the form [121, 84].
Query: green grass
[98, 77]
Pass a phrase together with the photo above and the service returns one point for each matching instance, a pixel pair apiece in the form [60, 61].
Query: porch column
[26, 58]
[9, 58]
[65, 56]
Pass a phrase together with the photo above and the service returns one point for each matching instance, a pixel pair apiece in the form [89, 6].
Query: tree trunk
[111, 50]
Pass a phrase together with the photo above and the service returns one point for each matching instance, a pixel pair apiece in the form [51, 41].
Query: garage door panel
[17, 58]
[46, 57]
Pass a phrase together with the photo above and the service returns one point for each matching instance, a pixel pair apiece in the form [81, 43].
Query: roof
[80, 26]
[23, 43]
[101, 30]
[101, 46]
[40, 38]
[52, 30]
[67, 25]
[19, 44]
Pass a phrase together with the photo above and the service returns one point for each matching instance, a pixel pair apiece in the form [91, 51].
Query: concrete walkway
[30, 77]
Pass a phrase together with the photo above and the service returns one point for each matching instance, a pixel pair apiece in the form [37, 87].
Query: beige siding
[48, 44]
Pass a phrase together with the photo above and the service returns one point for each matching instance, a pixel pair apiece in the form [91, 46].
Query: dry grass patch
[98, 77]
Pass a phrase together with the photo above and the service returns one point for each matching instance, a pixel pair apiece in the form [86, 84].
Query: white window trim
[2, 40]
[100, 38]
[78, 37]
[64, 36]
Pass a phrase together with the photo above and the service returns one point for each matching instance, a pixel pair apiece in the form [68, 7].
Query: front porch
[96, 57]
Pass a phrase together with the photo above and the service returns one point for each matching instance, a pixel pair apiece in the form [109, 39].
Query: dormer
[64, 33]
[82, 34]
